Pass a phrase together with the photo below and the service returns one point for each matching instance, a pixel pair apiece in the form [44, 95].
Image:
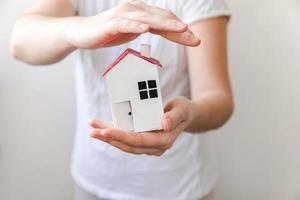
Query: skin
[211, 103]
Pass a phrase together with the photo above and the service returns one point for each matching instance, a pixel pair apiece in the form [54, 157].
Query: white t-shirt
[184, 172]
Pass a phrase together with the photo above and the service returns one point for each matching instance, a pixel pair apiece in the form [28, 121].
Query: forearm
[210, 111]
[212, 101]
[40, 40]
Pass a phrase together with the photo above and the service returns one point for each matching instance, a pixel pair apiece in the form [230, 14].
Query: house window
[151, 84]
[143, 95]
[142, 85]
[147, 89]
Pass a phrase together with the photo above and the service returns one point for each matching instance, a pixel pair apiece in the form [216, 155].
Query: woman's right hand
[125, 23]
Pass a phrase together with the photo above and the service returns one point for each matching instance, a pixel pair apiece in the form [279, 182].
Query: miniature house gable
[134, 92]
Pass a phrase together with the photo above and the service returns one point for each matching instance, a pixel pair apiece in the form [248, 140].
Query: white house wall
[122, 86]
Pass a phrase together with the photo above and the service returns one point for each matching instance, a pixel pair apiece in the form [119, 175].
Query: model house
[134, 91]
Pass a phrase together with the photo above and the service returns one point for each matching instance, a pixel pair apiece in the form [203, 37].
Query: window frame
[151, 89]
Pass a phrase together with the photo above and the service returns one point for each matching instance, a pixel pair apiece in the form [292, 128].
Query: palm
[175, 119]
[121, 39]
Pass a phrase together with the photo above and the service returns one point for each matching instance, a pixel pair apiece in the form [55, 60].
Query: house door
[123, 115]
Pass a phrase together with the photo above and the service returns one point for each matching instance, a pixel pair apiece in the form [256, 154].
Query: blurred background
[258, 148]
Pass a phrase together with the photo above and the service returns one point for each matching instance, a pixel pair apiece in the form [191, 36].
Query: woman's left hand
[175, 120]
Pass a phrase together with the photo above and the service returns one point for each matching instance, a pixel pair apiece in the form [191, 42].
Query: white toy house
[134, 91]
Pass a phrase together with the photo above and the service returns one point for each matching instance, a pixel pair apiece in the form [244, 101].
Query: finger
[153, 9]
[95, 133]
[96, 123]
[114, 28]
[157, 21]
[135, 150]
[124, 147]
[125, 38]
[187, 38]
[142, 140]
[165, 18]
[123, 25]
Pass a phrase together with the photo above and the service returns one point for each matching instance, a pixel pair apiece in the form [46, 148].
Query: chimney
[145, 50]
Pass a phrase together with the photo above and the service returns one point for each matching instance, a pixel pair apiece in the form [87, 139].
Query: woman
[114, 164]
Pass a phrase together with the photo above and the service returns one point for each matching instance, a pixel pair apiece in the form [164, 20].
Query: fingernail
[169, 124]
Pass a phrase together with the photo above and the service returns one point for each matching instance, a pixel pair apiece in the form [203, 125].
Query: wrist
[70, 28]
[192, 112]
[196, 109]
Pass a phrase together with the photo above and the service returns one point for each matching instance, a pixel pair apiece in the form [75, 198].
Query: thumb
[174, 115]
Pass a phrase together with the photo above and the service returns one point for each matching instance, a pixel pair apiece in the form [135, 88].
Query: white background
[259, 148]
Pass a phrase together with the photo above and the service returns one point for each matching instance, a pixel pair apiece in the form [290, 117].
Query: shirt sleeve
[194, 10]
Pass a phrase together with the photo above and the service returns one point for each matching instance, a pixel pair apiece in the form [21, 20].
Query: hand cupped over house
[176, 119]
[125, 23]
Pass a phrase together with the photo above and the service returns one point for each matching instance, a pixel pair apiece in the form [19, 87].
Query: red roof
[124, 54]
